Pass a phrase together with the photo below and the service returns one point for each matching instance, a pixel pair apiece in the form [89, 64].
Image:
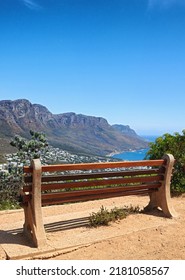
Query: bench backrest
[87, 181]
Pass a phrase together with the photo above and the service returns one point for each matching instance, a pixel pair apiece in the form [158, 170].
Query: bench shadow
[154, 212]
[67, 224]
[16, 236]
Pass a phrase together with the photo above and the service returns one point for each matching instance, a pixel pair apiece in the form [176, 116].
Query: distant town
[51, 156]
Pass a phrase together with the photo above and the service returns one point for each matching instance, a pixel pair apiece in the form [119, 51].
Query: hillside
[73, 132]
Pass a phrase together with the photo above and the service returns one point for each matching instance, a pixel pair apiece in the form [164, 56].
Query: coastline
[133, 154]
[115, 153]
[121, 152]
[130, 155]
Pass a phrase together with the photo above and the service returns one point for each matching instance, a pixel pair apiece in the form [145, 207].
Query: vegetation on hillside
[175, 145]
[11, 179]
[30, 149]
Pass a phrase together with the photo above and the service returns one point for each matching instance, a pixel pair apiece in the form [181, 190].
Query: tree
[11, 179]
[30, 149]
[174, 144]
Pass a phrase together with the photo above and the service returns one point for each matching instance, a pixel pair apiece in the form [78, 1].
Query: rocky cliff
[73, 132]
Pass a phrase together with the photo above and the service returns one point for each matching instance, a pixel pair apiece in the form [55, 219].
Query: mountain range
[69, 131]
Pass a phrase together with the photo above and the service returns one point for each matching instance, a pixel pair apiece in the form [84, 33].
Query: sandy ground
[139, 236]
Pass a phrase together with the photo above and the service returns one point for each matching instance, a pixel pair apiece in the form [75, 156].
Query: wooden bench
[64, 183]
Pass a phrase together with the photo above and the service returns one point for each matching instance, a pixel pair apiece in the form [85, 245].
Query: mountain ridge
[70, 131]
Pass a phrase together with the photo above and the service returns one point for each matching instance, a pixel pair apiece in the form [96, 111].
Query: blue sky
[123, 60]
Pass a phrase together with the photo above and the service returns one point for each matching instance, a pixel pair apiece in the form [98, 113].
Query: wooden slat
[55, 178]
[28, 179]
[25, 198]
[27, 188]
[63, 194]
[89, 166]
[96, 183]
[100, 191]
[27, 169]
[93, 197]
[92, 166]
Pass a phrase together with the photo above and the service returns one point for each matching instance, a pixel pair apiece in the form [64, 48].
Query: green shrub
[103, 217]
[10, 184]
[9, 205]
[175, 145]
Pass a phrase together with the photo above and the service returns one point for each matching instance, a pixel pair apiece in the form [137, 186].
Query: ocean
[136, 154]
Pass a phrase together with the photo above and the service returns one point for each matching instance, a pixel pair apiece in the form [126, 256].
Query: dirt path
[139, 236]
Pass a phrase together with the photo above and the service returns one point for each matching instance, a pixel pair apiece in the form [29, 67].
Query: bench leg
[34, 226]
[33, 230]
[162, 197]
